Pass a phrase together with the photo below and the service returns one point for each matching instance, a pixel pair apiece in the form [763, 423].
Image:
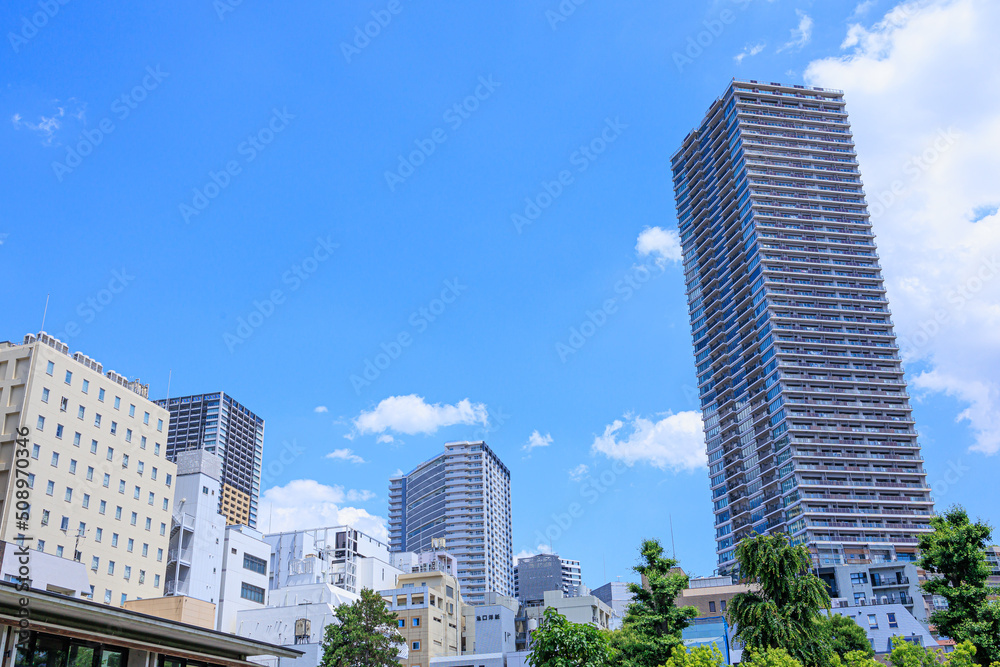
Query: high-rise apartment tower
[216, 423]
[463, 496]
[807, 420]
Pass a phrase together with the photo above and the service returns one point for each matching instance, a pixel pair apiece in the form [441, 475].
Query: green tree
[909, 654]
[843, 635]
[769, 657]
[698, 656]
[956, 553]
[782, 610]
[559, 643]
[364, 636]
[860, 659]
[653, 622]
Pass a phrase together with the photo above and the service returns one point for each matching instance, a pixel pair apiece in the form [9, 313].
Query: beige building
[577, 609]
[178, 608]
[711, 595]
[431, 617]
[89, 468]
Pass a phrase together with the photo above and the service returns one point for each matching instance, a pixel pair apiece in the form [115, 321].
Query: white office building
[243, 586]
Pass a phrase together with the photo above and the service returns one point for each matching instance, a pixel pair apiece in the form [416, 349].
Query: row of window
[60, 431]
[85, 388]
[140, 468]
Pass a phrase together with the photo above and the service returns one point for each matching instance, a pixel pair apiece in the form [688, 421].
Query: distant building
[545, 572]
[431, 616]
[993, 561]
[616, 595]
[336, 555]
[244, 580]
[884, 621]
[586, 609]
[218, 424]
[463, 496]
[711, 595]
[494, 621]
[895, 582]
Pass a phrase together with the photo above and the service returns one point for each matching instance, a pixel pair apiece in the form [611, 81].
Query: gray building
[876, 584]
[545, 572]
[616, 595]
[216, 423]
[463, 496]
[806, 414]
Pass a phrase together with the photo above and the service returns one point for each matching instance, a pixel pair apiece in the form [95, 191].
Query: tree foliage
[364, 636]
[782, 611]
[559, 643]
[653, 622]
[956, 552]
[698, 656]
[769, 657]
[843, 635]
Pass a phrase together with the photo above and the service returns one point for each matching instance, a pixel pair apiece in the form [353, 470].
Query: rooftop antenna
[45, 312]
[170, 374]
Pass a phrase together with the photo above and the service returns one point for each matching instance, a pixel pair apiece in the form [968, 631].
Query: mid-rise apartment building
[462, 496]
[431, 617]
[807, 418]
[98, 487]
[535, 575]
[217, 423]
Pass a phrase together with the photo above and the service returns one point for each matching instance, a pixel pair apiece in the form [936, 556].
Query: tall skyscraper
[807, 418]
[535, 575]
[463, 496]
[98, 487]
[217, 423]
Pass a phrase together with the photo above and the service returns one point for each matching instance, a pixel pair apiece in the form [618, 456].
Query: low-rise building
[710, 595]
[616, 595]
[244, 581]
[431, 617]
[892, 582]
[585, 608]
[329, 555]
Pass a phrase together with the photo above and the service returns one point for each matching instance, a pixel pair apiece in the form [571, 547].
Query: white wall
[240, 540]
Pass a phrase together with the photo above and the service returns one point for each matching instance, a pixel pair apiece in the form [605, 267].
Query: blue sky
[172, 173]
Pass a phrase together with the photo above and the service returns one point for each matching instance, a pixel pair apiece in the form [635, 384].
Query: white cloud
[801, 34]
[923, 92]
[412, 415]
[385, 439]
[673, 443]
[579, 473]
[47, 126]
[536, 440]
[345, 455]
[320, 409]
[863, 8]
[663, 244]
[750, 51]
[305, 503]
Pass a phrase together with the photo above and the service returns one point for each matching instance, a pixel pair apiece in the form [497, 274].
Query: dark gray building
[216, 423]
[807, 419]
[545, 572]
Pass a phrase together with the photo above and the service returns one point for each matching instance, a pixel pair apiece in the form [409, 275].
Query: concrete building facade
[806, 413]
[616, 595]
[462, 496]
[218, 424]
[431, 617]
[99, 484]
[877, 584]
[338, 555]
[244, 581]
[545, 572]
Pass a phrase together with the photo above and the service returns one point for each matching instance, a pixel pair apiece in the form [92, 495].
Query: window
[722, 605]
[97, 420]
[76, 439]
[41, 545]
[142, 442]
[90, 473]
[82, 529]
[130, 545]
[86, 386]
[64, 523]
[50, 488]
[118, 513]
[107, 596]
[152, 497]
[131, 411]
[159, 556]
[859, 578]
[45, 395]
[166, 504]
[124, 597]
[59, 551]
[118, 402]
[145, 550]
[31, 480]
[152, 473]
[156, 581]
[49, 368]
[104, 506]
[142, 576]
[121, 486]
[415, 622]
[872, 622]
[135, 517]
[159, 425]
[254, 564]
[55, 459]
[139, 467]
[106, 482]
[86, 500]
[169, 478]
[35, 451]
[69, 377]
[45, 517]
[128, 435]
[81, 412]
[711, 607]
[95, 563]
[114, 539]
[93, 446]
[124, 460]
[204, 490]
[135, 494]
[59, 431]
[156, 449]
[72, 466]
[892, 621]
[114, 428]
[145, 418]
[63, 404]
[401, 623]
[99, 535]
[252, 593]
[111, 454]
[100, 395]
[163, 528]
[416, 646]
[41, 424]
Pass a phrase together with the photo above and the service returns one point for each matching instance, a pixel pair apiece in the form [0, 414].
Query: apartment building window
[130, 545]
[142, 442]
[416, 646]
[156, 581]
[99, 535]
[145, 418]
[415, 622]
[103, 507]
[118, 402]
[50, 488]
[114, 428]
[59, 431]
[81, 412]
[156, 450]
[131, 411]
[45, 517]
[166, 504]
[55, 459]
[118, 513]
[95, 562]
[145, 550]
[72, 466]
[35, 451]
[124, 460]
[152, 473]
[892, 620]
[252, 593]
[100, 395]
[69, 377]
[90, 473]
[97, 420]
[107, 596]
[86, 386]
[159, 425]
[76, 439]
[63, 404]
[128, 573]
[121, 486]
[135, 517]
[41, 545]
[50, 368]
[111, 567]
[114, 539]
[40, 425]
[124, 597]
[872, 622]
[401, 623]
[135, 494]
[254, 564]
[159, 556]
[86, 501]
[45, 395]
[93, 446]
[151, 497]
[169, 478]
[711, 607]
[59, 551]
[142, 576]
[859, 578]
[139, 467]
[106, 482]
[128, 435]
